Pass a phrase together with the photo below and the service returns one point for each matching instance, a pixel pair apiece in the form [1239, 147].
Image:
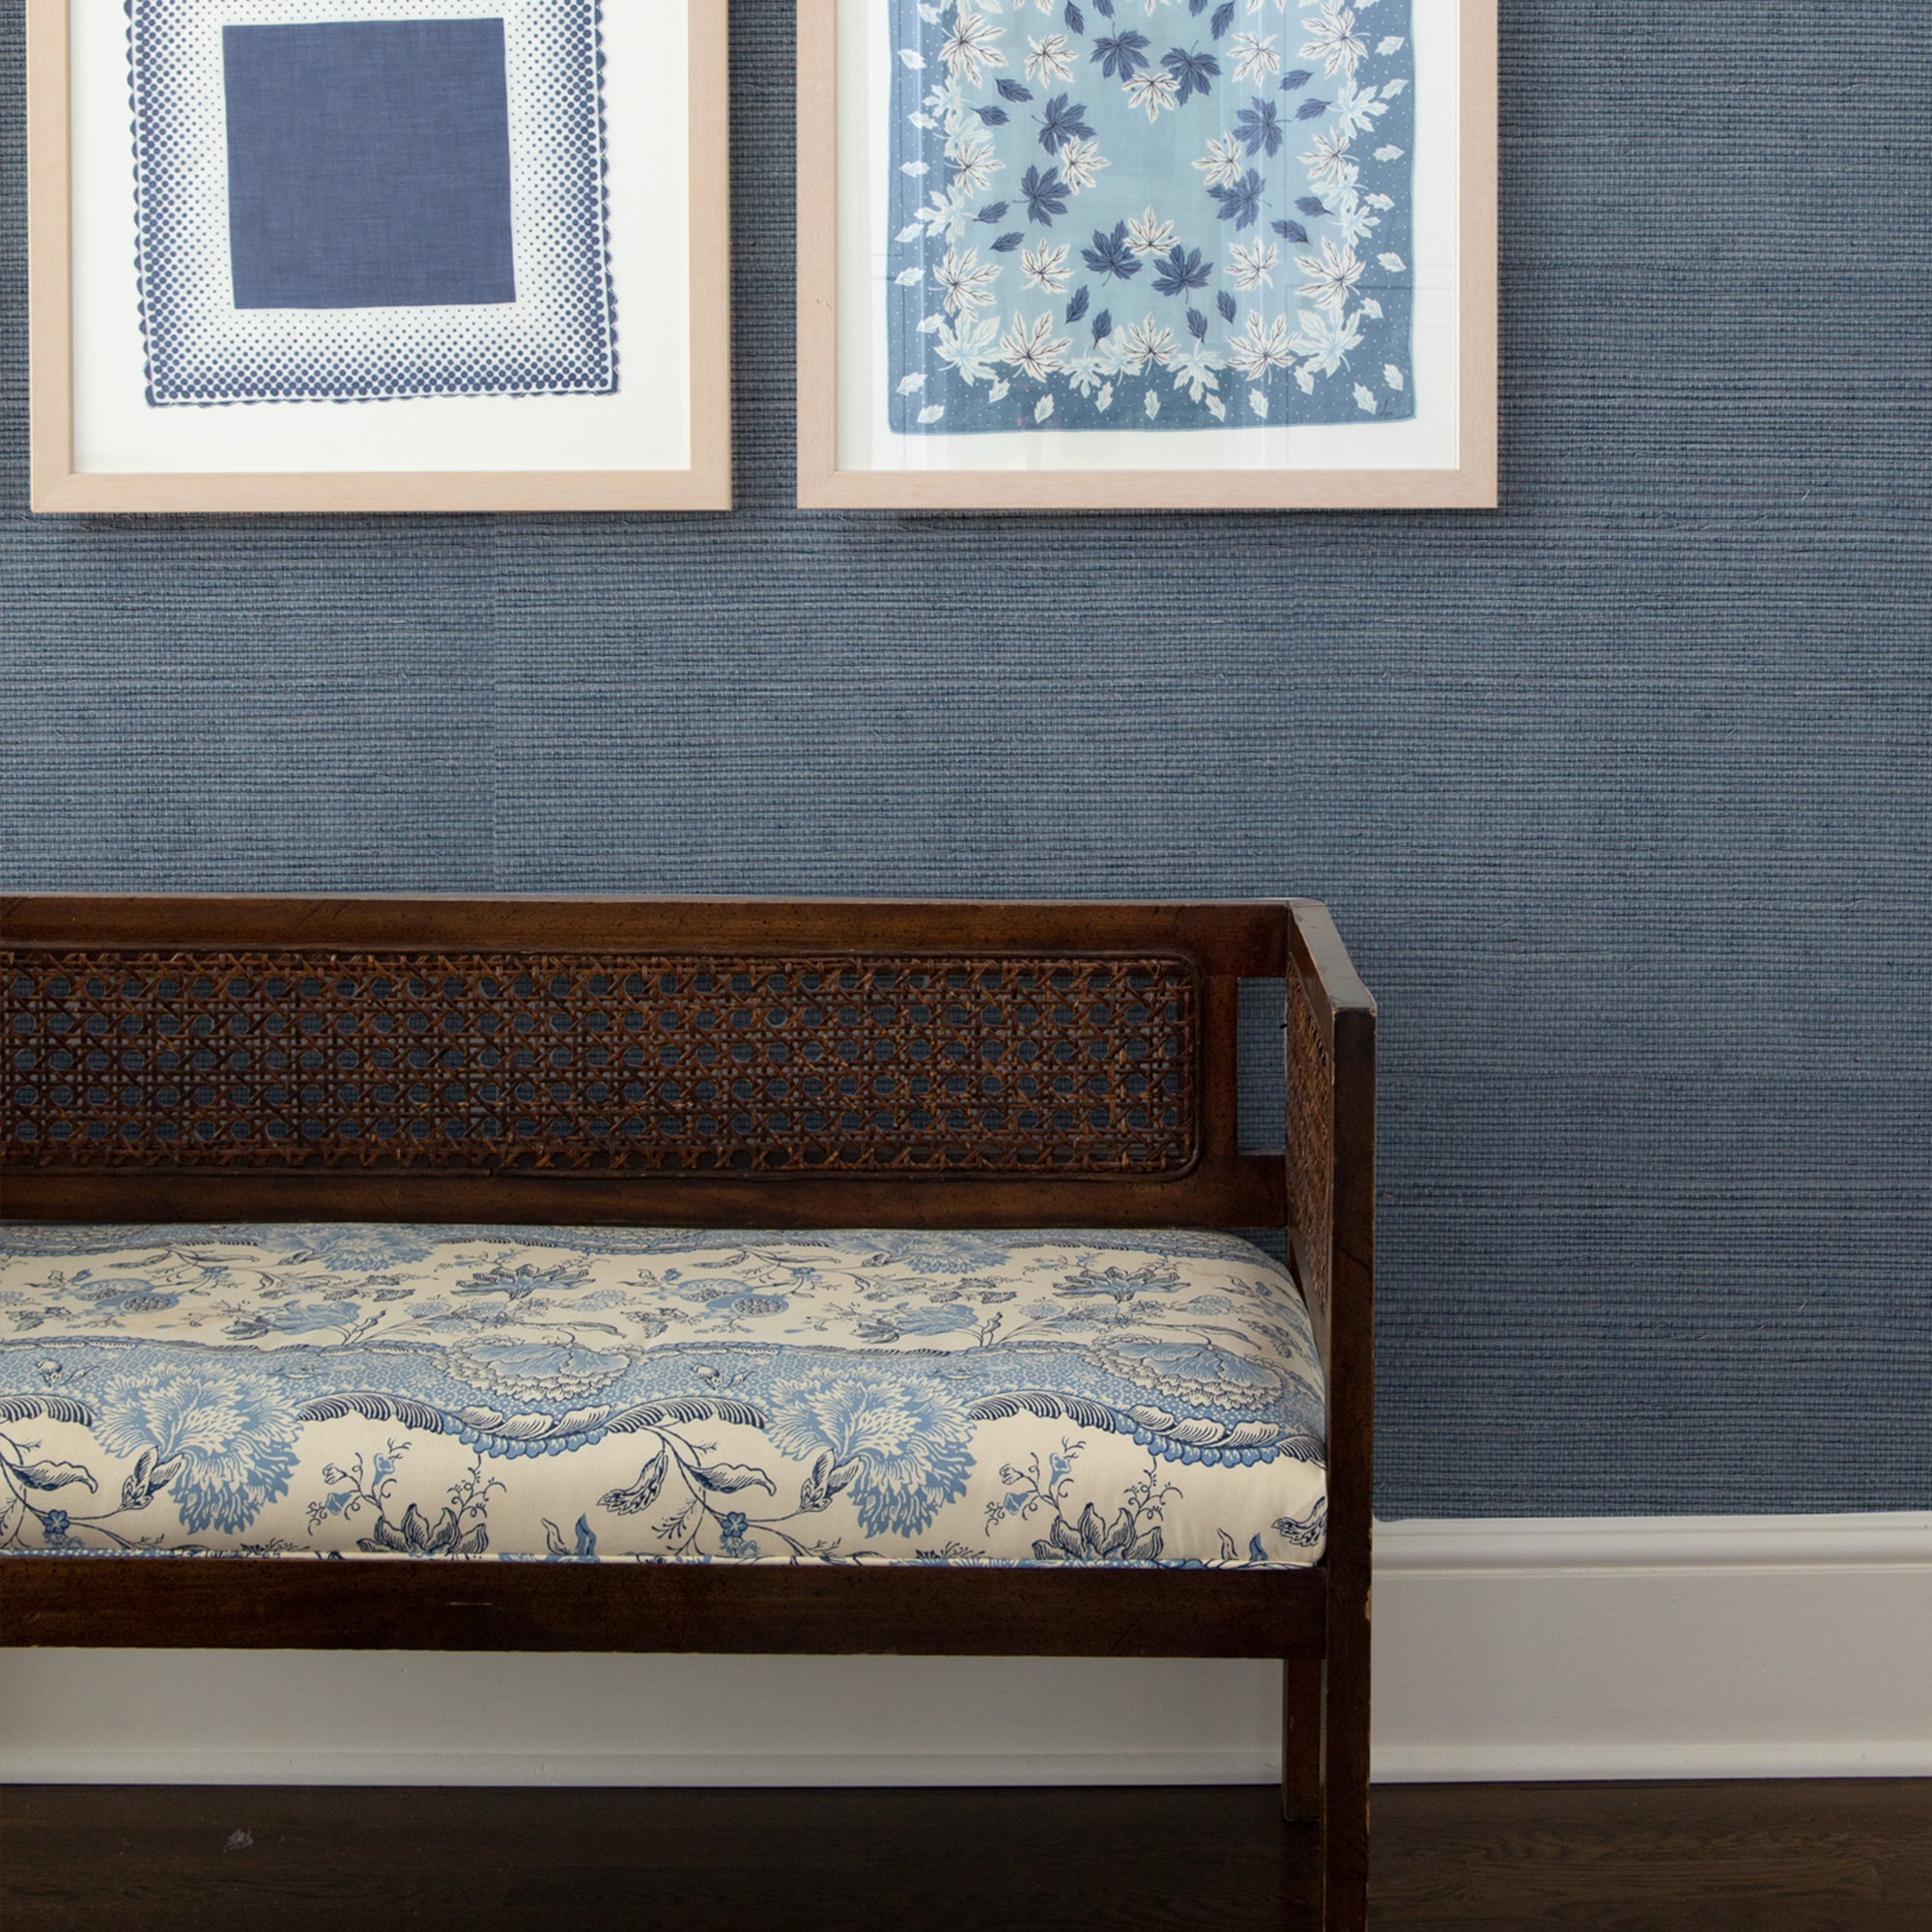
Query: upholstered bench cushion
[532, 1393]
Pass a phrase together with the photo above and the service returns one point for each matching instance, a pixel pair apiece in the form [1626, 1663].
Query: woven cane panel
[1311, 1142]
[258, 1060]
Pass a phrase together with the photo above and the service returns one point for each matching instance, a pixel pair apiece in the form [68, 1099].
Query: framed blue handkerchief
[379, 254]
[1147, 253]
[366, 202]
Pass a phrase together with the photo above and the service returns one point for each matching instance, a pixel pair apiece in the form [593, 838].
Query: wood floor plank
[1834, 1856]
[1839, 1854]
[291, 1859]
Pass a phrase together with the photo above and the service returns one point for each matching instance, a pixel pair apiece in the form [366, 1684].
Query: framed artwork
[379, 254]
[1146, 254]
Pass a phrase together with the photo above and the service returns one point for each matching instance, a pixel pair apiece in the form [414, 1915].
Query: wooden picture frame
[681, 428]
[848, 459]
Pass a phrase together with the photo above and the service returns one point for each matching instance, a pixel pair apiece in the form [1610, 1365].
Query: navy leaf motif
[1241, 202]
[1110, 254]
[1311, 205]
[1197, 324]
[1292, 231]
[1014, 89]
[1077, 20]
[1225, 302]
[1260, 127]
[1063, 123]
[1007, 242]
[1181, 270]
[1077, 307]
[994, 210]
[1192, 68]
[1104, 8]
[1223, 19]
[1045, 195]
[1103, 326]
[1311, 110]
[993, 117]
[1122, 55]
[1301, 78]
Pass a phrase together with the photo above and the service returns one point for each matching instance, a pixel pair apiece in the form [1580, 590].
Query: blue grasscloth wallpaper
[1623, 794]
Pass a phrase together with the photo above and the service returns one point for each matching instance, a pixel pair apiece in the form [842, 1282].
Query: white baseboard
[1575, 1648]
[1655, 1647]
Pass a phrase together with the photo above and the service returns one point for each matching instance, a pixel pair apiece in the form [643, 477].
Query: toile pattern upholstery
[652, 1395]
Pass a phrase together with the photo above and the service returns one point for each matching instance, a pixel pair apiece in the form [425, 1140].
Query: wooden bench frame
[1320, 1187]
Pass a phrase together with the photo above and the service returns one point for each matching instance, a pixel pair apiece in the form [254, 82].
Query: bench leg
[1345, 1776]
[1301, 1739]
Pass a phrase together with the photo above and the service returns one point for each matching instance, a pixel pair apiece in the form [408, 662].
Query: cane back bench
[374, 1229]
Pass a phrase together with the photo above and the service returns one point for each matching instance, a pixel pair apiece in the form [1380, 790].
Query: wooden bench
[118, 1012]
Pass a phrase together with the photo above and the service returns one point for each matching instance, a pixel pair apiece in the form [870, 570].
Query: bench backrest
[729, 1061]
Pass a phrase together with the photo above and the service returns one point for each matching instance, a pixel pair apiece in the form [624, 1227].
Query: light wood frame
[823, 484]
[57, 485]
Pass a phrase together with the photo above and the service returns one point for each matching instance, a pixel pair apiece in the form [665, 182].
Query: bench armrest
[1330, 1030]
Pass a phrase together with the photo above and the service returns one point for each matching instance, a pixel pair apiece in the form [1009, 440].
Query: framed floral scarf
[1154, 254]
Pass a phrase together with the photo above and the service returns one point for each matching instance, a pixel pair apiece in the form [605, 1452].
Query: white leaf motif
[1217, 409]
[1042, 409]
[1364, 399]
[1391, 88]
[1391, 375]
[906, 277]
[1389, 44]
[1152, 405]
[932, 412]
[908, 385]
[1394, 264]
[1389, 154]
[910, 233]
[996, 392]
[915, 168]
[913, 58]
[1258, 402]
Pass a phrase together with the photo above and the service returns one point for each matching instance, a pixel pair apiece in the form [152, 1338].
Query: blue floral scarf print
[1150, 214]
[653, 1395]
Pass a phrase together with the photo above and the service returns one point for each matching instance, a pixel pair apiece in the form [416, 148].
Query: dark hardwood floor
[1844, 1856]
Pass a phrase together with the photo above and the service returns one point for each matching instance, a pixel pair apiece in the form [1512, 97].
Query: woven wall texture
[1622, 795]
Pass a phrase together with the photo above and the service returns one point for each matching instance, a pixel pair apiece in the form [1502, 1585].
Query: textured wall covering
[1623, 795]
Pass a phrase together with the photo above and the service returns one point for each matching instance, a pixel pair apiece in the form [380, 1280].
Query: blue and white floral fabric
[1134, 214]
[653, 1395]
